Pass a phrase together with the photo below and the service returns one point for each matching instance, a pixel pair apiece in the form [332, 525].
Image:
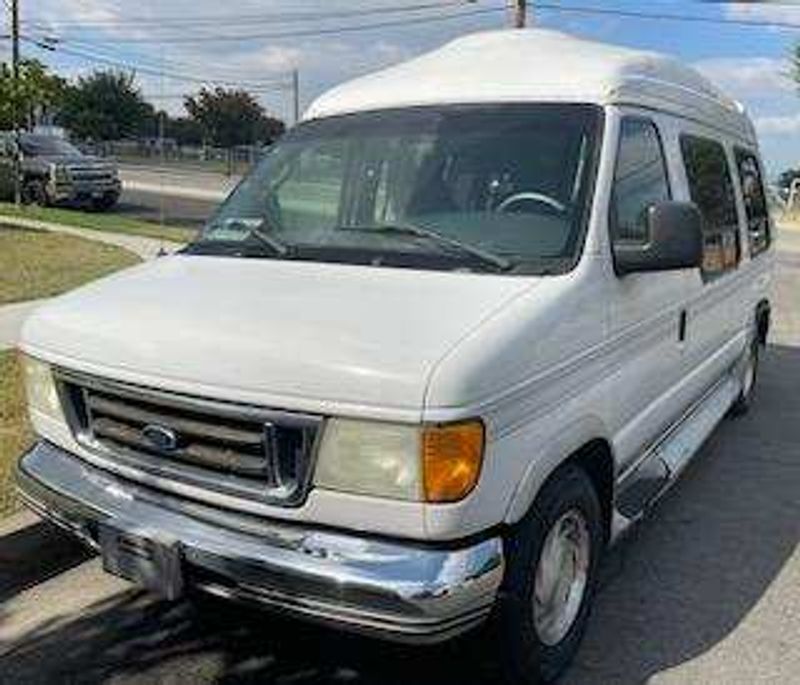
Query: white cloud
[748, 77]
[778, 125]
[763, 11]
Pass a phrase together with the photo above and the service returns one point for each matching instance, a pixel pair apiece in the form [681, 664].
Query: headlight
[59, 173]
[41, 389]
[436, 463]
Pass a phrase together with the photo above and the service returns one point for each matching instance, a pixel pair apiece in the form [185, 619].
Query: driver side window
[640, 179]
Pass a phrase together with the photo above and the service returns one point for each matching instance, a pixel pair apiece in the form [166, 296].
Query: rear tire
[552, 559]
[749, 374]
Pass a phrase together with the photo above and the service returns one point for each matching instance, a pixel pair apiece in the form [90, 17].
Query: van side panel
[718, 322]
[591, 356]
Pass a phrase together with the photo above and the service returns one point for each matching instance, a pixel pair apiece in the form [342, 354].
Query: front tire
[34, 192]
[552, 561]
[105, 203]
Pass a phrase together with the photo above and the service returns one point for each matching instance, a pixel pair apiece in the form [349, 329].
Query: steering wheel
[530, 195]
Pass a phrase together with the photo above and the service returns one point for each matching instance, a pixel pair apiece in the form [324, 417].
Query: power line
[666, 16]
[143, 61]
[171, 75]
[313, 32]
[234, 19]
[250, 19]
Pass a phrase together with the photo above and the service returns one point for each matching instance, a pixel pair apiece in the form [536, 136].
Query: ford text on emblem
[160, 437]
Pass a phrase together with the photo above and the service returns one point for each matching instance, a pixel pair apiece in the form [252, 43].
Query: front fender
[550, 453]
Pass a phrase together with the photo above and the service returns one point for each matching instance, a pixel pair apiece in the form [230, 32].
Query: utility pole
[296, 94]
[520, 13]
[16, 92]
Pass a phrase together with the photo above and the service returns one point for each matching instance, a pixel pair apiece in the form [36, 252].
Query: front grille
[90, 172]
[91, 175]
[218, 447]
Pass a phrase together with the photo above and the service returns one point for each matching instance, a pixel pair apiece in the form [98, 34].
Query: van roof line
[541, 65]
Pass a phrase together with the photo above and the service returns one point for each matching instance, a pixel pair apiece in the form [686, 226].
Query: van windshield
[483, 188]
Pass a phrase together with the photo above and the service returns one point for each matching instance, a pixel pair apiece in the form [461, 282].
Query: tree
[232, 117]
[39, 92]
[105, 106]
[184, 131]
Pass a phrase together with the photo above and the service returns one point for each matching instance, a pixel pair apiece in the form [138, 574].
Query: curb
[17, 522]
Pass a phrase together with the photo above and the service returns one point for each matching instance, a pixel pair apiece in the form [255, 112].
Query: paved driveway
[706, 591]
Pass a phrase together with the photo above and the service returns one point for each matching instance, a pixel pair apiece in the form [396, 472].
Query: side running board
[662, 465]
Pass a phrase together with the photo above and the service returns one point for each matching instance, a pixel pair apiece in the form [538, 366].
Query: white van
[459, 330]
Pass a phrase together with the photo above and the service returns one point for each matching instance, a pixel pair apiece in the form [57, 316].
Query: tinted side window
[640, 179]
[711, 189]
[755, 201]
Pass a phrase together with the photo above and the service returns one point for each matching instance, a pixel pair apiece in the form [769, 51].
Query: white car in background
[456, 332]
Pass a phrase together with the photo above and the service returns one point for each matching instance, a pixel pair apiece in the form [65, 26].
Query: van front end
[397, 590]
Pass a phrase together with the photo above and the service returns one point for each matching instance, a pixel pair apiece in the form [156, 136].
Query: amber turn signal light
[452, 455]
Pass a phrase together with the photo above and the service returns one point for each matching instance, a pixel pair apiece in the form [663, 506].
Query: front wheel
[105, 203]
[552, 560]
[34, 192]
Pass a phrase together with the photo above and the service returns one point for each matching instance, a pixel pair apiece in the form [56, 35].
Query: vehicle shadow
[691, 573]
[670, 593]
[22, 564]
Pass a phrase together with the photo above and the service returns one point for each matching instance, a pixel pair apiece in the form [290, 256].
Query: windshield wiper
[273, 243]
[257, 231]
[413, 229]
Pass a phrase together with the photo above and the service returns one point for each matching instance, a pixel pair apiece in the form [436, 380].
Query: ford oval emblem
[160, 437]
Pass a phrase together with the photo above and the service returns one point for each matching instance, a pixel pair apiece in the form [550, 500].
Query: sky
[183, 42]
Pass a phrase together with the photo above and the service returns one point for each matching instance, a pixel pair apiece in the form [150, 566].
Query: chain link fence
[229, 161]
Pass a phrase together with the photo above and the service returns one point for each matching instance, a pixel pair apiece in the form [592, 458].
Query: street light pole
[15, 104]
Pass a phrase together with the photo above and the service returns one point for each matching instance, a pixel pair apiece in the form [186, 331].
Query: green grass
[15, 432]
[97, 221]
[36, 264]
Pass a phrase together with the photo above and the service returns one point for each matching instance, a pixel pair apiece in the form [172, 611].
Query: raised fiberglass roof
[525, 65]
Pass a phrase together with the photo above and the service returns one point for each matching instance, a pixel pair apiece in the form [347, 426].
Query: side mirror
[675, 241]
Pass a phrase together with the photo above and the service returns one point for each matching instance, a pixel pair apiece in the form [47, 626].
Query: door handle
[682, 326]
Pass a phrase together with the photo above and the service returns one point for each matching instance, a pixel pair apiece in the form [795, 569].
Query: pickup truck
[55, 172]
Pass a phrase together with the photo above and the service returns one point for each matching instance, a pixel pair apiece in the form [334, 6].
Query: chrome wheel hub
[561, 577]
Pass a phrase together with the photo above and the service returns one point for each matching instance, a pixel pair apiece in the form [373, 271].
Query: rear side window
[640, 179]
[711, 189]
[755, 201]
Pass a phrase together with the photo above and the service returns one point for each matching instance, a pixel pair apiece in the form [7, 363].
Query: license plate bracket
[148, 560]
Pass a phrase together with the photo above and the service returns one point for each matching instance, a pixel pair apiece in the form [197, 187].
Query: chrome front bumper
[70, 191]
[401, 591]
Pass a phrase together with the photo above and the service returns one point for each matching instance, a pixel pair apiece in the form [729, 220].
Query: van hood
[299, 335]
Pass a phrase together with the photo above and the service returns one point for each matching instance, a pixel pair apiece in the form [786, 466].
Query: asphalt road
[175, 196]
[165, 208]
[705, 591]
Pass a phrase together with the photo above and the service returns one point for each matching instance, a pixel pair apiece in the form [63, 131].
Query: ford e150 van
[455, 333]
